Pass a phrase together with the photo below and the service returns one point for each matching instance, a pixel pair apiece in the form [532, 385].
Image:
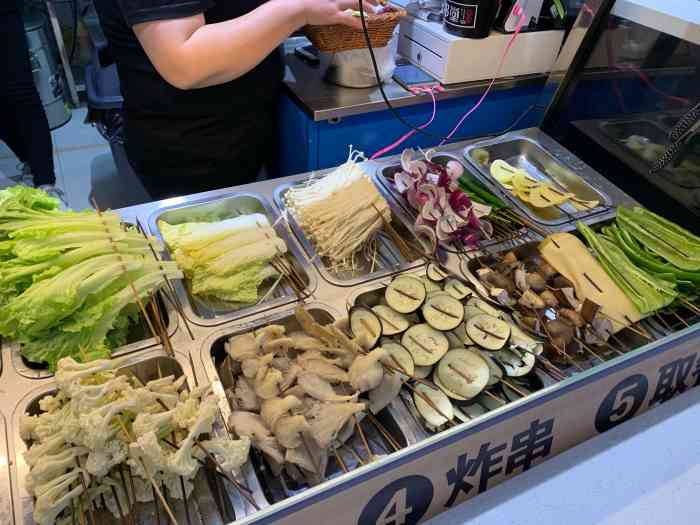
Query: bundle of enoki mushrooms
[341, 212]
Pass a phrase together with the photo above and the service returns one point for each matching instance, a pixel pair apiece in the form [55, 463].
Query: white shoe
[57, 193]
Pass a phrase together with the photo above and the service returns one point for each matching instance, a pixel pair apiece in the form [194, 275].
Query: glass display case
[627, 100]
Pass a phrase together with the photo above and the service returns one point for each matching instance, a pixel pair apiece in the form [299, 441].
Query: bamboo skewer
[513, 388]
[495, 397]
[467, 378]
[119, 505]
[340, 461]
[174, 299]
[354, 454]
[383, 431]
[148, 474]
[370, 455]
[430, 403]
[588, 349]
[85, 491]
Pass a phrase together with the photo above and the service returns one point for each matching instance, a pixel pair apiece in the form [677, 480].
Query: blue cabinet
[305, 145]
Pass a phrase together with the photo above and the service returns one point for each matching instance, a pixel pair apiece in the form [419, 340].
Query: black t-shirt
[196, 132]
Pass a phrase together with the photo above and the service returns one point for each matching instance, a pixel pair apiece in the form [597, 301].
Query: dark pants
[23, 123]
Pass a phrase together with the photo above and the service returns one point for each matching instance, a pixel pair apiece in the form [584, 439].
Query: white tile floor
[76, 146]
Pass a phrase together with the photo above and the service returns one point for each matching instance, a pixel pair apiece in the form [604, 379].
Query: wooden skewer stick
[133, 494]
[405, 294]
[384, 432]
[487, 332]
[444, 312]
[174, 299]
[418, 343]
[122, 518]
[354, 453]
[370, 455]
[85, 491]
[246, 493]
[387, 321]
[690, 306]
[495, 397]
[148, 475]
[513, 388]
[466, 377]
[340, 461]
[683, 321]
[588, 278]
[430, 403]
[588, 349]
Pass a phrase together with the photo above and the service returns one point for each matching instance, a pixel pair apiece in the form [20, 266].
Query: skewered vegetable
[365, 326]
[392, 322]
[443, 312]
[340, 212]
[405, 294]
[70, 281]
[227, 260]
[444, 213]
[488, 332]
[100, 422]
[425, 344]
[648, 293]
[438, 399]
[463, 372]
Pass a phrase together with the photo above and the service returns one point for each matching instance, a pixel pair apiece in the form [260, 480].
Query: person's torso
[147, 93]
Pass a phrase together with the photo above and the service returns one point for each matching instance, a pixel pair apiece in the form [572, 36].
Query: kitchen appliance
[452, 59]
[507, 19]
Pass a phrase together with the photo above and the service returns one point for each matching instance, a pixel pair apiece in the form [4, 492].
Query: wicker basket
[335, 38]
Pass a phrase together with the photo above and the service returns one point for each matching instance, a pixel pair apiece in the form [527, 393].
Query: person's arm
[189, 54]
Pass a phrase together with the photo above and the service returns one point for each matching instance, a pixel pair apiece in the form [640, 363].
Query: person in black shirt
[23, 123]
[200, 79]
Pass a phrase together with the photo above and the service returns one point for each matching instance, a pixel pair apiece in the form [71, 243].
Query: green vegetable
[227, 260]
[647, 292]
[67, 279]
[632, 249]
[476, 190]
[662, 237]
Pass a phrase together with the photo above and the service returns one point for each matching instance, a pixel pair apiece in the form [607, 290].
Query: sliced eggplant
[405, 294]
[431, 286]
[454, 340]
[516, 364]
[495, 371]
[477, 306]
[365, 325]
[421, 372]
[488, 332]
[449, 393]
[461, 333]
[398, 357]
[426, 345]
[443, 312]
[434, 418]
[393, 322]
[457, 289]
[463, 372]
[522, 340]
[435, 273]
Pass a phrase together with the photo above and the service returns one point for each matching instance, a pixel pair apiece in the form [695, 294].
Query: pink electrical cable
[521, 21]
[431, 91]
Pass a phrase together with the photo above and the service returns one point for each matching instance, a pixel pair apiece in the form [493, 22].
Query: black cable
[396, 114]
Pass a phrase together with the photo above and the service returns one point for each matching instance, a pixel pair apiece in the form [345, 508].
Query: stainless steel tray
[212, 502]
[206, 312]
[139, 339]
[277, 488]
[526, 153]
[384, 178]
[619, 130]
[388, 260]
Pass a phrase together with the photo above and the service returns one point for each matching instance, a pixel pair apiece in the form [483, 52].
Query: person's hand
[329, 12]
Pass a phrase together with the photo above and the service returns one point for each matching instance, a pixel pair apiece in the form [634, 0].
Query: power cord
[395, 113]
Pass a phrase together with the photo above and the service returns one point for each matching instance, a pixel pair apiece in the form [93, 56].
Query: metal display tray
[139, 339]
[388, 258]
[433, 472]
[211, 502]
[529, 154]
[384, 178]
[654, 131]
[210, 312]
[269, 487]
